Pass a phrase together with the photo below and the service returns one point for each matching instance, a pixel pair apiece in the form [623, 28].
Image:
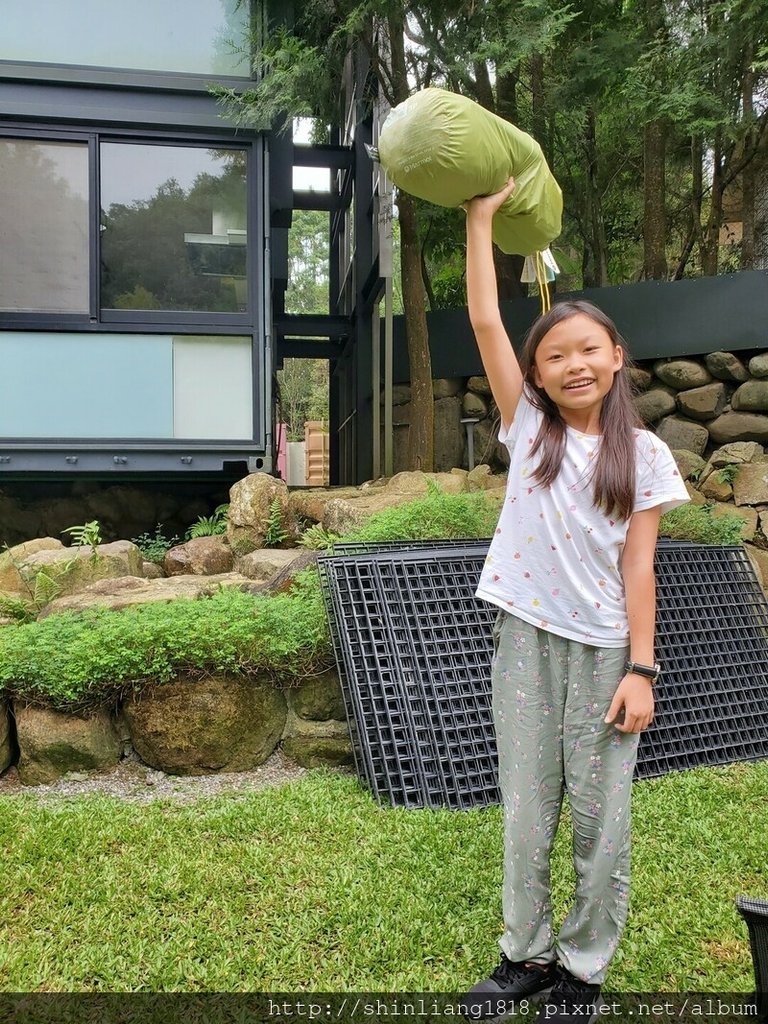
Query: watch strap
[650, 672]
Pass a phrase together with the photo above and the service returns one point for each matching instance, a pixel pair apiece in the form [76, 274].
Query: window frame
[253, 323]
[101, 318]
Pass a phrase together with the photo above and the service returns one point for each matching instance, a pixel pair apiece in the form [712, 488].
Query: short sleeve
[526, 417]
[658, 479]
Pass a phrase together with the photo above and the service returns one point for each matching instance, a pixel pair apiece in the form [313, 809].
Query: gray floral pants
[550, 696]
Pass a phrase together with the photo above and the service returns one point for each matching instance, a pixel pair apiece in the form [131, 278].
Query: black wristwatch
[649, 672]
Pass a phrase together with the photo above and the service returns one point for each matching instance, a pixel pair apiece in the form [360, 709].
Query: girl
[571, 570]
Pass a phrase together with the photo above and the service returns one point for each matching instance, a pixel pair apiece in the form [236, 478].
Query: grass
[315, 887]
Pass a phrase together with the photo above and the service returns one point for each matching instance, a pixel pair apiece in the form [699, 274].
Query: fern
[275, 532]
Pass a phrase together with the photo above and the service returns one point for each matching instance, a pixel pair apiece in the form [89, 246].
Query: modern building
[143, 247]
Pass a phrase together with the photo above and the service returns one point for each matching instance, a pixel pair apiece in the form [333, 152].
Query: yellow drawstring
[541, 280]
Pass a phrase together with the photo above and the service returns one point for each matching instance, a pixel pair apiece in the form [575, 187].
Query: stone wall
[696, 404]
[186, 727]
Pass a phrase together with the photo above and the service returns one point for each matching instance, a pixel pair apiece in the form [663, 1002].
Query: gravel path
[134, 781]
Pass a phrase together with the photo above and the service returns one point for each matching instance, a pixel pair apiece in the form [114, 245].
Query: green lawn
[314, 886]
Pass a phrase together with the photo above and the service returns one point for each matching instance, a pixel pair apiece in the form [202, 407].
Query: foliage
[210, 526]
[303, 863]
[87, 534]
[154, 549]
[696, 523]
[317, 538]
[434, 516]
[302, 394]
[728, 474]
[81, 661]
[275, 532]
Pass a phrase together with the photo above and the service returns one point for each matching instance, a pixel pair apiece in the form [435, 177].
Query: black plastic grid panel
[414, 650]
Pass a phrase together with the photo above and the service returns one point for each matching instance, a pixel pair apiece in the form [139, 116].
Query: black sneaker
[499, 996]
[571, 1001]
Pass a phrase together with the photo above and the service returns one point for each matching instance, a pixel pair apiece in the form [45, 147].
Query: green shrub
[209, 526]
[432, 517]
[154, 549]
[696, 523]
[78, 661]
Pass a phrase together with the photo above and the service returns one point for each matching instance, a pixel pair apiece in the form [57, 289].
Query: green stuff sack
[446, 149]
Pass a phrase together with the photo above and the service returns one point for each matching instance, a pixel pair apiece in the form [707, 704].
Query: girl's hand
[635, 696]
[488, 205]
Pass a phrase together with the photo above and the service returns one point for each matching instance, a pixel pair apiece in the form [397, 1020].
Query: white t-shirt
[554, 559]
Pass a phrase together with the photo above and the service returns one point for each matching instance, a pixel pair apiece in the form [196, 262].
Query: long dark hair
[614, 470]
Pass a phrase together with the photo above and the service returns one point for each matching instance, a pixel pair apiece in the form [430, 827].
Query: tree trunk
[506, 97]
[538, 122]
[654, 214]
[710, 242]
[748, 181]
[421, 432]
[596, 274]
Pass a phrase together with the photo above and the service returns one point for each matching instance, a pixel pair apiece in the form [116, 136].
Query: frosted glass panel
[193, 36]
[43, 226]
[212, 388]
[58, 386]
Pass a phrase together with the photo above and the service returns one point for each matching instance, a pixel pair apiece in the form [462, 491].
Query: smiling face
[575, 363]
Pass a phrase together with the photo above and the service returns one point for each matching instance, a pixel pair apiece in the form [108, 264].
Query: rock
[217, 724]
[318, 698]
[201, 556]
[250, 501]
[449, 434]
[726, 366]
[702, 403]
[129, 591]
[479, 385]
[759, 559]
[697, 498]
[641, 379]
[736, 452]
[680, 433]
[152, 571]
[682, 373]
[51, 743]
[473, 405]
[481, 479]
[750, 486]
[309, 503]
[6, 744]
[74, 569]
[758, 365]
[747, 515]
[314, 744]
[739, 426]
[751, 397]
[409, 482]
[715, 487]
[654, 404]
[11, 580]
[118, 506]
[687, 462]
[446, 387]
[264, 564]
[401, 394]
[761, 538]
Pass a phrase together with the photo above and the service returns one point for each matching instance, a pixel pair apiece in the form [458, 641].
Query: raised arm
[498, 356]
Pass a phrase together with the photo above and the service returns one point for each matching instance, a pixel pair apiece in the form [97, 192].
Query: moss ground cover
[314, 886]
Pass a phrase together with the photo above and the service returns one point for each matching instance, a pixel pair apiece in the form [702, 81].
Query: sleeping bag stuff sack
[447, 149]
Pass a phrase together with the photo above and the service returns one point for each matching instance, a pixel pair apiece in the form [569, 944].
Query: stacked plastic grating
[414, 649]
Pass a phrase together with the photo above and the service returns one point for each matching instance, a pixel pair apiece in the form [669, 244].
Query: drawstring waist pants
[550, 696]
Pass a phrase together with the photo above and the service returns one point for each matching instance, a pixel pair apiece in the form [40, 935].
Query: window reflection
[173, 228]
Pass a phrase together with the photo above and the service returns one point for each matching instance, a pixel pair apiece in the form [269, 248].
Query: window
[170, 243]
[44, 216]
[173, 228]
[197, 37]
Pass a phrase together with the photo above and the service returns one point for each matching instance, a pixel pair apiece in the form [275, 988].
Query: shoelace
[508, 970]
[567, 985]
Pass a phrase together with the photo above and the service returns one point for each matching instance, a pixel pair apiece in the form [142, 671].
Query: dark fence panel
[657, 318]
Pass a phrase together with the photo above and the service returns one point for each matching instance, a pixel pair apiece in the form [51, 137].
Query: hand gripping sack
[445, 148]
